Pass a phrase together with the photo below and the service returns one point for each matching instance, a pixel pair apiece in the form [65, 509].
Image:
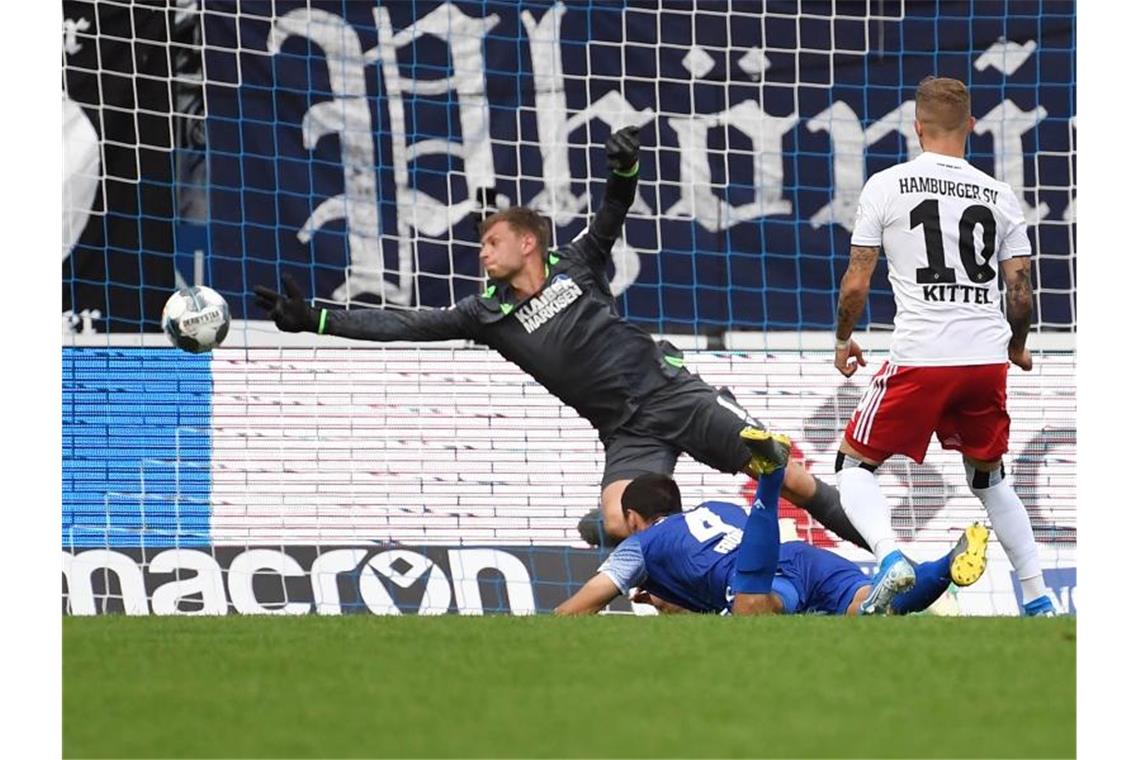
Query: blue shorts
[810, 580]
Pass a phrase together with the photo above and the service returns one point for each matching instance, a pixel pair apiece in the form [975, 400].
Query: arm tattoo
[853, 290]
[1019, 305]
[863, 260]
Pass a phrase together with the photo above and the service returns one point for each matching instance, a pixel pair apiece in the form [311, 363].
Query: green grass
[540, 687]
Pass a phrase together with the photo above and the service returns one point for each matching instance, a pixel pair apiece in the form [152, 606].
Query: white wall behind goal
[457, 446]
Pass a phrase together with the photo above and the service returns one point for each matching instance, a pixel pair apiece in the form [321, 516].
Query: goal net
[350, 145]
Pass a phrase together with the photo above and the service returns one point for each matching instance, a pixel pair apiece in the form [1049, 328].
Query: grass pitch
[539, 687]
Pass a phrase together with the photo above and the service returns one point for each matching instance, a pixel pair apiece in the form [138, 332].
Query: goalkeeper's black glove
[621, 149]
[290, 312]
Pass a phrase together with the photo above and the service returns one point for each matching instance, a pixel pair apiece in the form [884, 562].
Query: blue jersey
[687, 558]
[690, 559]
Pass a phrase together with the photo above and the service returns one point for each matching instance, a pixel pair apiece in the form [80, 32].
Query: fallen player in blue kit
[717, 558]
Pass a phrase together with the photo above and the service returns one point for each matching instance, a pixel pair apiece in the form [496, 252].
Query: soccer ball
[196, 319]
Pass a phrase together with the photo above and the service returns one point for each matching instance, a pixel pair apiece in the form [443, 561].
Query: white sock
[1032, 588]
[1011, 524]
[867, 509]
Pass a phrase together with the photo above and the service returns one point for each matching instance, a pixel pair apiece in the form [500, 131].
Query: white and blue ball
[196, 319]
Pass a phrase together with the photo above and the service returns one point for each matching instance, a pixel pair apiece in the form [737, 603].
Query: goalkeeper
[551, 313]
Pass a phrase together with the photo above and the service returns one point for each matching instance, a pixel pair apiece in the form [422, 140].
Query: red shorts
[965, 406]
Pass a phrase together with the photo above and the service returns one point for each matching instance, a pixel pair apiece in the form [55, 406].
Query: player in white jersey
[946, 228]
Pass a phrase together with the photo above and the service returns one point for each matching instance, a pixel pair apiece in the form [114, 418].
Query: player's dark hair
[521, 219]
[651, 495]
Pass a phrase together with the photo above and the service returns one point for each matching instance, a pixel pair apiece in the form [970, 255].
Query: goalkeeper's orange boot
[968, 560]
[769, 450]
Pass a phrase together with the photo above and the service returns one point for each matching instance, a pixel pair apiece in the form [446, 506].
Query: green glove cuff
[630, 171]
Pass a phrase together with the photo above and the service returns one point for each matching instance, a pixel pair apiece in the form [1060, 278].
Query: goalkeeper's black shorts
[685, 415]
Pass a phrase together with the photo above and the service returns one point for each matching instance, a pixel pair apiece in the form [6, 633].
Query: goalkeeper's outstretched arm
[622, 149]
[292, 313]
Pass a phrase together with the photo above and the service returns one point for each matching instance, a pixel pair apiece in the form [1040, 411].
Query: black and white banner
[350, 142]
[420, 580]
[326, 580]
[119, 190]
